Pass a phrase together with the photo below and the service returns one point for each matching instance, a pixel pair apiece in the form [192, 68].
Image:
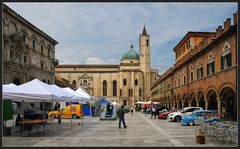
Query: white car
[178, 116]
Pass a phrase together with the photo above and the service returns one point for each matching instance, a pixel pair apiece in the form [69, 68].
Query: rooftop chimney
[218, 31]
[235, 18]
[227, 25]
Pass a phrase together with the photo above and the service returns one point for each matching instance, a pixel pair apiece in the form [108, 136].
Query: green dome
[131, 54]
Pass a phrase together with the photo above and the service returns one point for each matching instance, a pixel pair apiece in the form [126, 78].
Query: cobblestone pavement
[142, 131]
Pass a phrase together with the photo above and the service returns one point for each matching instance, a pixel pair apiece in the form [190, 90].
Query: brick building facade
[205, 72]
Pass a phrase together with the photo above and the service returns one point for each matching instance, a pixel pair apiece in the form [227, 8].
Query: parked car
[162, 111]
[178, 116]
[165, 114]
[190, 120]
[35, 114]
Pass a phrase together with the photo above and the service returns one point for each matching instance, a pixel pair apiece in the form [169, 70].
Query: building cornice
[86, 66]
[225, 35]
[191, 34]
[27, 23]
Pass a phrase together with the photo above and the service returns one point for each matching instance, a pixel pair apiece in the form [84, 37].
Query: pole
[71, 116]
[52, 122]
[90, 111]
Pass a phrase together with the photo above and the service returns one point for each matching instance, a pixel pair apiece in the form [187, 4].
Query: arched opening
[186, 101]
[74, 82]
[114, 88]
[193, 100]
[136, 82]
[201, 101]
[124, 82]
[180, 103]
[16, 81]
[229, 103]
[104, 88]
[44, 80]
[212, 100]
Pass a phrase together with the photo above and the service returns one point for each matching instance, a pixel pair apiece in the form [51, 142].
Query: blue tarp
[86, 110]
[104, 101]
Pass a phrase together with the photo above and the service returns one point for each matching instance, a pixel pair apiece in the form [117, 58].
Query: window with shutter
[208, 69]
[191, 76]
[229, 60]
[222, 62]
[213, 69]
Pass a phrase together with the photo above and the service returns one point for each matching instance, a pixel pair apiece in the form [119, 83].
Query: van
[71, 111]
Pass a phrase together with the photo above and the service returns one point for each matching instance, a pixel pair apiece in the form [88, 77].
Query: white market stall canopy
[84, 94]
[7, 86]
[143, 102]
[36, 90]
[77, 96]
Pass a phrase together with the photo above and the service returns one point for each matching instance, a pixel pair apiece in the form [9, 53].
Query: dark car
[35, 114]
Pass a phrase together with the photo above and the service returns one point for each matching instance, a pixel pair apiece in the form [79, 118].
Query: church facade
[125, 83]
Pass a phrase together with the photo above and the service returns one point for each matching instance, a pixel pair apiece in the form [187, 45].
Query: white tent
[35, 90]
[77, 96]
[84, 94]
[7, 86]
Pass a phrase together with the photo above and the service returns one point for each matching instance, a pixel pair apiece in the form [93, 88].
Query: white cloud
[93, 60]
[102, 32]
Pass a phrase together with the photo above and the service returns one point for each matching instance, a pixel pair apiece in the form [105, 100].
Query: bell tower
[144, 51]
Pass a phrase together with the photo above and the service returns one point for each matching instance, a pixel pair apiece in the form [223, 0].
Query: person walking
[120, 114]
[153, 112]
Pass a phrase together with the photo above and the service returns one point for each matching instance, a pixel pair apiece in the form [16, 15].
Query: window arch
[104, 88]
[179, 80]
[191, 72]
[84, 82]
[24, 35]
[184, 76]
[34, 39]
[124, 82]
[114, 88]
[210, 64]
[44, 80]
[16, 81]
[49, 52]
[12, 28]
[136, 82]
[147, 42]
[74, 82]
[42, 46]
[226, 58]
[200, 69]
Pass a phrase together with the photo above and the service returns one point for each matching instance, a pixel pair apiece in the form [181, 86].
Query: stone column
[178, 104]
[219, 105]
[206, 104]
[189, 104]
[197, 101]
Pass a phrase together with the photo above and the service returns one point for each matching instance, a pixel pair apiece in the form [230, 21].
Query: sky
[100, 33]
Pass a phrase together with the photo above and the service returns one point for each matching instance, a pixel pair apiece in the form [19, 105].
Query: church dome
[131, 55]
